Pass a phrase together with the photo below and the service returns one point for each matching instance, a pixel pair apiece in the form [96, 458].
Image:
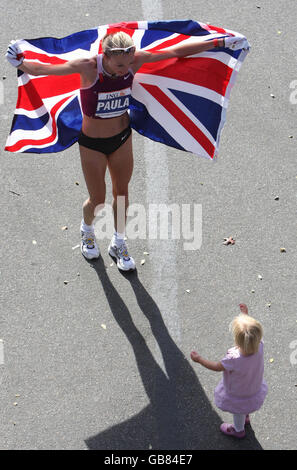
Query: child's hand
[194, 356]
[243, 309]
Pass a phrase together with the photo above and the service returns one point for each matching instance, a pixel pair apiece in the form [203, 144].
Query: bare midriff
[103, 128]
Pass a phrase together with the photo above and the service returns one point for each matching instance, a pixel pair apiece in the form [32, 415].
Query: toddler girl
[242, 389]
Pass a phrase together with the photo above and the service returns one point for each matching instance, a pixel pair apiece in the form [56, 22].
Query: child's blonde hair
[247, 333]
[119, 40]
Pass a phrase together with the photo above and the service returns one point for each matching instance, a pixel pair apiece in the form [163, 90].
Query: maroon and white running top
[107, 97]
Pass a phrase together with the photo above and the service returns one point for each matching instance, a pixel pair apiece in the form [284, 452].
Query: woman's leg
[94, 168]
[120, 164]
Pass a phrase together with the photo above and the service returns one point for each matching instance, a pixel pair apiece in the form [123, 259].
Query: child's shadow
[179, 415]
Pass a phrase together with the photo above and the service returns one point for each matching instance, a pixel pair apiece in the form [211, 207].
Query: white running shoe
[89, 247]
[124, 261]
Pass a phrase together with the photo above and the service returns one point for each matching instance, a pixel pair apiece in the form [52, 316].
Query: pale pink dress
[242, 388]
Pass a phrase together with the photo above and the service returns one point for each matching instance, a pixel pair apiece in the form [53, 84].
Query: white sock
[238, 420]
[118, 238]
[86, 228]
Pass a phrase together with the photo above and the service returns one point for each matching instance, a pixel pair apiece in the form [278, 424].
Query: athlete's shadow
[179, 415]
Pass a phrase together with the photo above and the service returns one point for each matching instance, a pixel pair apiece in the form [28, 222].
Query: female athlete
[105, 140]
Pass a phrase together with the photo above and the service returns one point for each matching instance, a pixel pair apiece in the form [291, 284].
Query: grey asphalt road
[102, 362]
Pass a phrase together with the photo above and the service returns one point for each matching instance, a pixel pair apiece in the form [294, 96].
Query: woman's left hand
[234, 43]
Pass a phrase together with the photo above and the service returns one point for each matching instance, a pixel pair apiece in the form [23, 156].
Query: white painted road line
[1, 352]
[157, 187]
[152, 10]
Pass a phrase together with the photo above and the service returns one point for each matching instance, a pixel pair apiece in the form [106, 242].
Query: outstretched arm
[211, 365]
[184, 50]
[16, 58]
[68, 68]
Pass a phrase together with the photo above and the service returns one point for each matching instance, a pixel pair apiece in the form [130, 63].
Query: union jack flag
[180, 102]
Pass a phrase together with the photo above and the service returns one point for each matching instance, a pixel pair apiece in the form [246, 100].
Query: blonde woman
[105, 141]
[242, 389]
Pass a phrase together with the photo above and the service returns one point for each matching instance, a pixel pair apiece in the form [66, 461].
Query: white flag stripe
[191, 116]
[75, 54]
[186, 87]
[25, 78]
[142, 24]
[43, 133]
[169, 123]
[32, 114]
[19, 134]
[232, 80]
[228, 91]
[48, 104]
[220, 56]
[160, 42]
[102, 30]
[137, 38]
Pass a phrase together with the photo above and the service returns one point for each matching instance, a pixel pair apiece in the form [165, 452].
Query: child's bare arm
[243, 309]
[211, 365]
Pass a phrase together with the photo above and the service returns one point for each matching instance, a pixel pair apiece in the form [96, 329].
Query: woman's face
[119, 64]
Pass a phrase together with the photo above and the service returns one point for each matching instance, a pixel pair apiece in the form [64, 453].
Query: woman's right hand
[14, 54]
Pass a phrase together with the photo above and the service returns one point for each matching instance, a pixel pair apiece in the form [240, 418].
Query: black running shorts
[105, 145]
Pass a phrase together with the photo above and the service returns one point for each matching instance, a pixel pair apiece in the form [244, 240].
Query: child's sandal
[229, 430]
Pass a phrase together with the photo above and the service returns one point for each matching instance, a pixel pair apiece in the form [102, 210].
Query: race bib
[113, 103]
